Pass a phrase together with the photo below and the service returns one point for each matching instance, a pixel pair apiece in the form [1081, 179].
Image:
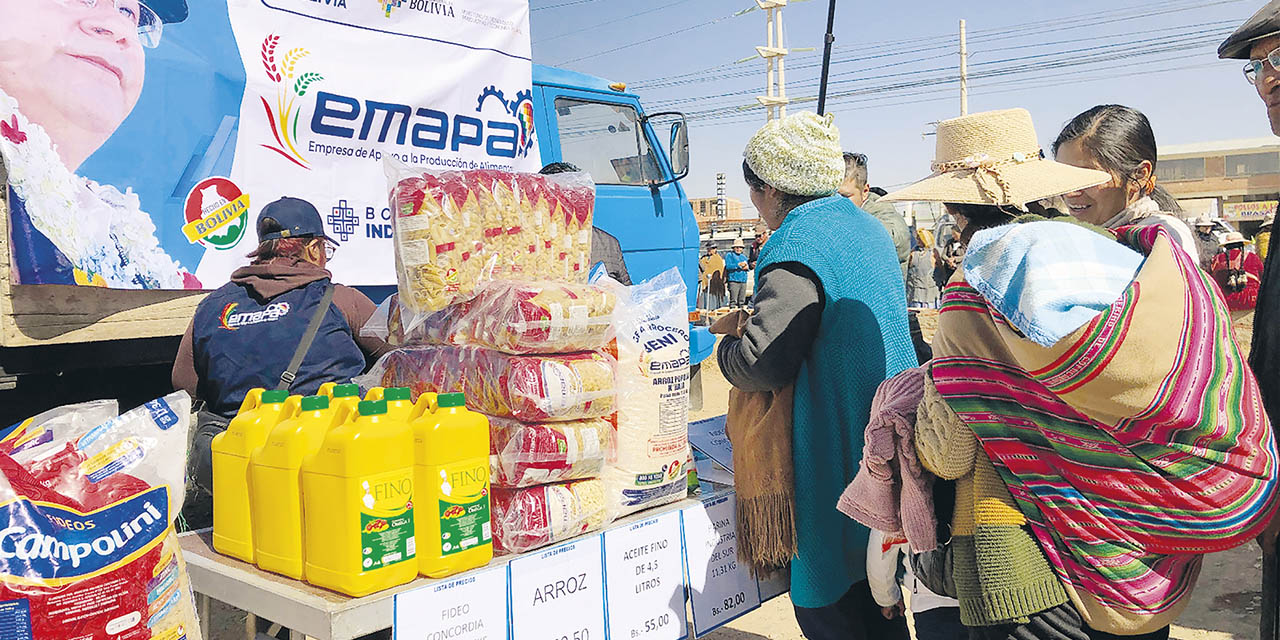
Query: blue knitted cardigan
[862, 341]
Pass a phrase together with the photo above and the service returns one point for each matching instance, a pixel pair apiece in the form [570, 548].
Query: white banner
[335, 86]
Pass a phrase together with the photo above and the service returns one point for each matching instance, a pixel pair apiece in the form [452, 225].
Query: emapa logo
[231, 321]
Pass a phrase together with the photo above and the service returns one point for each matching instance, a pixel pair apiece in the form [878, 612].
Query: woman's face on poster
[75, 66]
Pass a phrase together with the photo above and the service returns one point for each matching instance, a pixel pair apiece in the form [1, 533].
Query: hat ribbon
[983, 165]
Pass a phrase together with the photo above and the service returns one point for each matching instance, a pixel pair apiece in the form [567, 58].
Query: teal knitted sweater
[862, 341]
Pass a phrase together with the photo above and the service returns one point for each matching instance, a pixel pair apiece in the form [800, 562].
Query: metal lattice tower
[775, 99]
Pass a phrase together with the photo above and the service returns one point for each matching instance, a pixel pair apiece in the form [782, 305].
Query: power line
[562, 4]
[648, 40]
[593, 27]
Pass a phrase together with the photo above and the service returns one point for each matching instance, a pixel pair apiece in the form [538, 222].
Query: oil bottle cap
[373, 407]
[274, 396]
[396, 393]
[346, 390]
[447, 400]
[315, 403]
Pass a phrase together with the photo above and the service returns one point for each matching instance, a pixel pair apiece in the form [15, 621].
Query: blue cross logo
[344, 221]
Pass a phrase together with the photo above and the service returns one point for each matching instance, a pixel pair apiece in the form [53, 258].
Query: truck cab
[637, 161]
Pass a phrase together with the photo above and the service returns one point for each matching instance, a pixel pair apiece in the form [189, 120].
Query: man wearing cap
[1258, 41]
[735, 265]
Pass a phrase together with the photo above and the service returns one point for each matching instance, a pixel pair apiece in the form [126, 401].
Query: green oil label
[464, 506]
[386, 519]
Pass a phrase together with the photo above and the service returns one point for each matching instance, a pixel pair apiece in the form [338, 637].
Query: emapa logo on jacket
[230, 320]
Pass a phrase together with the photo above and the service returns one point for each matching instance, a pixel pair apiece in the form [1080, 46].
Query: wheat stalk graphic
[291, 60]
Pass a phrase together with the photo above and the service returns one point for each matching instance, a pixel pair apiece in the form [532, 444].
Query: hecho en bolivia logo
[291, 84]
[217, 214]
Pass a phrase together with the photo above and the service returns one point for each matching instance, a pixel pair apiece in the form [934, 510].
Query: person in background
[753, 254]
[922, 289]
[606, 251]
[1206, 240]
[835, 328]
[936, 617]
[711, 271]
[244, 334]
[1238, 272]
[1119, 140]
[1262, 239]
[735, 264]
[854, 187]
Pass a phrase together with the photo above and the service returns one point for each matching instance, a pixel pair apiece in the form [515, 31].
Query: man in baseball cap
[246, 334]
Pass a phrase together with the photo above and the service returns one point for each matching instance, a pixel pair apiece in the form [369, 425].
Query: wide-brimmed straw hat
[994, 158]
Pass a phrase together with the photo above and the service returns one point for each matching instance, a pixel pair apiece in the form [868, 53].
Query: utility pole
[826, 57]
[964, 73]
[775, 98]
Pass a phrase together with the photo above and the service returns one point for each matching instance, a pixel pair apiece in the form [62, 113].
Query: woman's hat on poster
[994, 158]
[799, 154]
[1264, 23]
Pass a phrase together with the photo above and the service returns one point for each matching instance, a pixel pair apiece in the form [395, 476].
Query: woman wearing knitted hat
[831, 319]
[1072, 367]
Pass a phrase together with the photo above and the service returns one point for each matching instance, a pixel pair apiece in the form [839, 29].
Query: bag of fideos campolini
[87, 547]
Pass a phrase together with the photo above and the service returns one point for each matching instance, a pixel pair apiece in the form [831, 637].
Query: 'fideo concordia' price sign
[644, 578]
[559, 594]
[472, 607]
[722, 589]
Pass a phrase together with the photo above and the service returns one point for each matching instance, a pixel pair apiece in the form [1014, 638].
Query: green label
[386, 520]
[464, 506]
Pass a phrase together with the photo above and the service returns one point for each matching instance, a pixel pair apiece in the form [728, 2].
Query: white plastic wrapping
[533, 517]
[523, 455]
[44, 427]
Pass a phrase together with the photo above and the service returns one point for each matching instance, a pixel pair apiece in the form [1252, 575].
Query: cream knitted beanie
[799, 154]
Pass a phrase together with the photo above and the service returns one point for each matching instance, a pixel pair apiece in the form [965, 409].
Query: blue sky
[1157, 57]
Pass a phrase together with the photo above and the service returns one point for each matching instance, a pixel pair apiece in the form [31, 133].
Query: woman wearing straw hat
[1071, 365]
[1238, 272]
[833, 324]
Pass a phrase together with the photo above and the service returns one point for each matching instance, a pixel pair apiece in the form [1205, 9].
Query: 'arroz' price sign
[644, 578]
[722, 589]
[559, 594]
[472, 607]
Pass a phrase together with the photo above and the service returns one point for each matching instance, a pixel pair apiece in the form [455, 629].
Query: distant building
[704, 209]
[1238, 180]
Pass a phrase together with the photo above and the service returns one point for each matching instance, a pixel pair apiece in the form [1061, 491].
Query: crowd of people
[1083, 429]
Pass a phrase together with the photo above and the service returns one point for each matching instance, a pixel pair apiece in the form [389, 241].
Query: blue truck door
[603, 135]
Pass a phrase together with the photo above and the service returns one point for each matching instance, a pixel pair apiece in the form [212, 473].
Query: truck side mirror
[677, 130]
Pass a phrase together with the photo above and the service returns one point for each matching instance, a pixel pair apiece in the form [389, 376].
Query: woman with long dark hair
[1119, 140]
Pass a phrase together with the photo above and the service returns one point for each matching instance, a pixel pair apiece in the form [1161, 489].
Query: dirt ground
[1224, 605]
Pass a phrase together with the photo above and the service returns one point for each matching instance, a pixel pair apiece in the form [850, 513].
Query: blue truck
[93, 343]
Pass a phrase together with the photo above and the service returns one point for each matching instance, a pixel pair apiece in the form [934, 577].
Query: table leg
[250, 626]
[202, 612]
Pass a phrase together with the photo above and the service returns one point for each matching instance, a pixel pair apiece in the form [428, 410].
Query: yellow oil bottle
[358, 515]
[326, 389]
[232, 520]
[399, 406]
[275, 485]
[426, 404]
[451, 473]
[344, 398]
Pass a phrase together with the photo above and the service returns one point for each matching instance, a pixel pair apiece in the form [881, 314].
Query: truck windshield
[607, 141]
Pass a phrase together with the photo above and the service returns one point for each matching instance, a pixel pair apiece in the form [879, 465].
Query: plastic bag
[533, 517]
[652, 441]
[551, 388]
[42, 428]
[456, 229]
[509, 316]
[89, 551]
[523, 455]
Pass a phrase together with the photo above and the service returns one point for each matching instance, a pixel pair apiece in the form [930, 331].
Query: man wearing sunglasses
[1258, 41]
[71, 71]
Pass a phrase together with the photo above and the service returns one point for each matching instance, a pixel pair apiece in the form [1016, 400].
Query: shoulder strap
[308, 336]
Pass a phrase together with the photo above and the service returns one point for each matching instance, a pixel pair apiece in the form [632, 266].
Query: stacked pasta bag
[88, 550]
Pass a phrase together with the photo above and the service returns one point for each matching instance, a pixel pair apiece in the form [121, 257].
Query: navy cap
[1264, 23]
[296, 217]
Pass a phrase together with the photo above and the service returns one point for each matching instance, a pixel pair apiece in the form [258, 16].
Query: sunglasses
[1253, 68]
[329, 246]
[143, 17]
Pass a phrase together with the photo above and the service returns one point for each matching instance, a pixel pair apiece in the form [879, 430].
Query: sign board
[721, 589]
[463, 608]
[558, 594]
[709, 437]
[145, 166]
[1244, 211]
[644, 578]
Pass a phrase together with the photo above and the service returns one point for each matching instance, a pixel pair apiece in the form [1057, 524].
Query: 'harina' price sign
[472, 607]
[722, 589]
[645, 579]
[559, 594]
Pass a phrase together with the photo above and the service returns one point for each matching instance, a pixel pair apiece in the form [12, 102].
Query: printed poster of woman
[71, 71]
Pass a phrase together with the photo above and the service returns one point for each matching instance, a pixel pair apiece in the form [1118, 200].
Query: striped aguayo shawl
[1133, 445]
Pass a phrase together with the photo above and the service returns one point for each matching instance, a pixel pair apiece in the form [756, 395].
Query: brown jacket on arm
[268, 280]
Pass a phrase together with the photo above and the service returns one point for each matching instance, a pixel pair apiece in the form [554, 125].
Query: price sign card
[472, 607]
[558, 594]
[709, 437]
[722, 589]
[644, 575]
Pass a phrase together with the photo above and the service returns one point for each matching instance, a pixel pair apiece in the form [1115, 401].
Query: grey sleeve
[788, 301]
